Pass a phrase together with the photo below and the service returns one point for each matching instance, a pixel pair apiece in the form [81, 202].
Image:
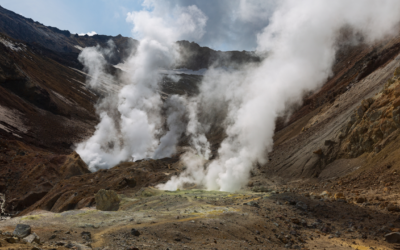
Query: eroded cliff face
[375, 122]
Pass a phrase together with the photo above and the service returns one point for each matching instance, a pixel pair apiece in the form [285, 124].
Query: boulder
[107, 200]
[31, 238]
[22, 230]
[393, 237]
[135, 232]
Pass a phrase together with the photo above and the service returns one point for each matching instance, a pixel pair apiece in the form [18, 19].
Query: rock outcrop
[22, 231]
[29, 173]
[79, 191]
[73, 166]
[375, 122]
[107, 200]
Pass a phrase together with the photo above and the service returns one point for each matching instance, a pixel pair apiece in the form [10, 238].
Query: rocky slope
[29, 173]
[196, 57]
[375, 122]
[42, 102]
[312, 138]
[60, 45]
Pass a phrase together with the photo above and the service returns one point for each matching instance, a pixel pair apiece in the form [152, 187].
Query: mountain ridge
[65, 43]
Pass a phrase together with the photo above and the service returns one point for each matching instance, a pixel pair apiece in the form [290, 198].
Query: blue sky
[224, 30]
[78, 16]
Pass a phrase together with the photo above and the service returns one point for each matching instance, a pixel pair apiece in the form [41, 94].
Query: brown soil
[197, 219]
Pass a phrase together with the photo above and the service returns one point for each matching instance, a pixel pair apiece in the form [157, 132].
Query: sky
[230, 23]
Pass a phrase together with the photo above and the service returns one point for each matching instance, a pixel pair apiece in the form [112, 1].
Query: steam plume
[300, 40]
[131, 125]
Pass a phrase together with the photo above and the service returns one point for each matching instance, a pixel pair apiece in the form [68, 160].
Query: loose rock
[22, 230]
[393, 237]
[135, 232]
[86, 236]
[32, 238]
[12, 240]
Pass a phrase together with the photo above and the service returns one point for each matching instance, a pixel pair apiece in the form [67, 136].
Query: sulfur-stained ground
[198, 219]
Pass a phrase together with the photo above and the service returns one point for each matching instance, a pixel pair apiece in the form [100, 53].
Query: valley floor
[197, 219]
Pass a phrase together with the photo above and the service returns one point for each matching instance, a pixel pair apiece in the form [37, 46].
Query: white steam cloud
[301, 42]
[176, 124]
[131, 120]
[300, 39]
